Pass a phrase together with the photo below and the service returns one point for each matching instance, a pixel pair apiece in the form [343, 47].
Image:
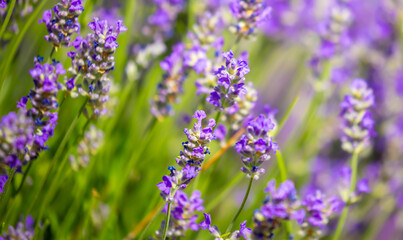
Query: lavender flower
[207, 29]
[64, 24]
[184, 215]
[3, 180]
[243, 232]
[171, 85]
[23, 230]
[94, 59]
[248, 14]
[44, 103]
[195, 149]
[255, 146]
[3, 4]
[319, 210]
[190, 159]
[94, 55]
[281, 204]
[16, 138]
[160, 23]
[88, 146]
[334, 35]
[358, 124]
[230, 80]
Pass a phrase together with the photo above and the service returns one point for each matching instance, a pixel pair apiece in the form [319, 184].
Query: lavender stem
[343, 217]
[242, 205]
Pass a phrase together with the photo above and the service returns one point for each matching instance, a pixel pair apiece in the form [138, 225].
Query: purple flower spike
[249, 15]
[3, 4]
[281, 204]
[255, 146]
[64, 23]
[319, 210]
[195, 149]
[230, 80]
[184, 214]
[23, 230]
[3, 180]
[357, 121]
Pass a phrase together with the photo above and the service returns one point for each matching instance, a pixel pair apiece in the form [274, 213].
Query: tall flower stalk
[358, 129]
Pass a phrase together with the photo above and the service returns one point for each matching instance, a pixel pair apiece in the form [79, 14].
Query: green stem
[5, 23]
[24, 177]
[10, 175]
[242, 205]
[343, 217]
[217, 118]
[281, 166]
[164, 236]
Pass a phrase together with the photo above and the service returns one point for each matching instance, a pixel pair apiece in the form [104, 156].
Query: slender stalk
[24, 177]
[164, 236]
[217, 118]
[9, 13]
[242, 205]
[10, 174]
[281, 166]
[343, 217]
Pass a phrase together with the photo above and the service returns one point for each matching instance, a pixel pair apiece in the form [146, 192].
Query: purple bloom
[184, 214]
[171, 85]
[281, 204]
[94, 58]
[319, 210]
[255, 146]
[16, 138]
[230, 80]
[3, 180]
[161, 22]
[3, 4]
[64, 23]
[248, 15]
[358, 124]
[21, 230]
[195, 149]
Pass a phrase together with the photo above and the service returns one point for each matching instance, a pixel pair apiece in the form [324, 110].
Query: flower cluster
[255, 146]
[195, 148]
[319, 209]
[162, 20]
[248, 14]
[190, 158]
[334, 35]
[207, 29]
[16, 135]
[171, 85]
[3, 4]
[43, 101]
[94, 55]
[281, 204]
[243, 232]
[23, 230]
[94, 58]
[230, 80]
[88, 146]
[184, 215]
[357, 124]
[64, 23]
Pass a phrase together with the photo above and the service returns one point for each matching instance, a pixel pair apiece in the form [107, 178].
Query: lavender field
[214, 119]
